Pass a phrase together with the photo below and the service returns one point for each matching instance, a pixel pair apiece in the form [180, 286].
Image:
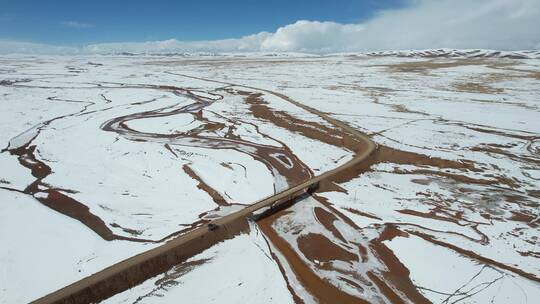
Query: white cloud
[247, 43]
[19, 47]
[76, 24]
[488, 24]
[494, 24]
[312, 36]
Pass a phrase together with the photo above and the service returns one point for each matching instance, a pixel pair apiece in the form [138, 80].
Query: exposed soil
[317, 247]
[426, 66]
[398, 274]
[218, 199]
[105, 283]
[392, 281]
[472, 87]
[322, 290]
[327, 219]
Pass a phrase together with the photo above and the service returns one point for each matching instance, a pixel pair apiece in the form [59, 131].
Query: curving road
[135, 270]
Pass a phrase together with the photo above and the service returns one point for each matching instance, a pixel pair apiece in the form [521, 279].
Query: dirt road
[137, 269]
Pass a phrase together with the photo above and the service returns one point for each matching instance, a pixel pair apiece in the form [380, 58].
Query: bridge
[135, 270]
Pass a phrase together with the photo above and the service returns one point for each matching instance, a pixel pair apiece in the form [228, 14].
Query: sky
[72, 22]
[316, 26]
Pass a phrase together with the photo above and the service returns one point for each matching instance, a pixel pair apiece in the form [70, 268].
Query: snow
[482, 111]
[443, 275]
[220, 277]
[14, 175]
[43, 251]
[240, 180]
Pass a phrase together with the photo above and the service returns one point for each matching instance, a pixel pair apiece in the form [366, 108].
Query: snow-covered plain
[452, 194]
[132, 156]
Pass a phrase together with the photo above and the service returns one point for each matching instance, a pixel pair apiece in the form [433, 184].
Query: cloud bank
[424, 24]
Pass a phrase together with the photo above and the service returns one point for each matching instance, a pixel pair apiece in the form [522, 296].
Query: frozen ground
[105, 157]
[218, 269]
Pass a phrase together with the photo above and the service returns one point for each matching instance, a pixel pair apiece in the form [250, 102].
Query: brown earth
[135, 270]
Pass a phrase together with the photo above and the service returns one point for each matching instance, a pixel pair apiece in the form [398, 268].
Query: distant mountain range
[452, 53]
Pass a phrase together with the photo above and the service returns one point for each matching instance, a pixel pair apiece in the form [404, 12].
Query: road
[135, 270]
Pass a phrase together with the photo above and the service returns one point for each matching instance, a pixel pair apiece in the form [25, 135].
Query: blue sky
[80, 22]
[312, 26]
